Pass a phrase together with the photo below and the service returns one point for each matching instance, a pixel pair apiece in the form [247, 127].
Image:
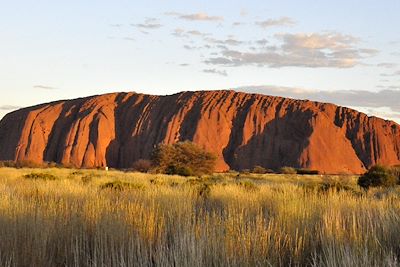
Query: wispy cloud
[189, 47]
[262, 42]
[387, 65]
[396, 73]
[149, 24]
[283, 21]
[195, 16]
[315, 50]
[229, 41]
[9, 107]
[215, 71]
[117, 25]
[197, 33]
[238, 23]
[45, 87]
[179, 32]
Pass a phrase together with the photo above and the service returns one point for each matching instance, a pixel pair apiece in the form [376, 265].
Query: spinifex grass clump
[119, 185]
[41, 176]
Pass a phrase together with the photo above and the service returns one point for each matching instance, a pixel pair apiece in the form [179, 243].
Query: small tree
[183, 158]
[378, 176]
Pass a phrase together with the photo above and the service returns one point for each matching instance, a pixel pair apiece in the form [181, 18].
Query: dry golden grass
[222, 220]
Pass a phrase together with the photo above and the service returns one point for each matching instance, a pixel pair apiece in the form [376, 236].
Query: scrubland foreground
[64, 217]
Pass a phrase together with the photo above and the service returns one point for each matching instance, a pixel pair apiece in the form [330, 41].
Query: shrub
[288, 170]
[179, 170]
[119, 186]
[377, 176]
[183, 158]
[8, 164]
[29, 164]
[307, 171]
[40, 176]
[259, 170]
[142, 165]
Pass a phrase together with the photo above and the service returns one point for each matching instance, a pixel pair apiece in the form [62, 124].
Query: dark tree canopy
[379, 175]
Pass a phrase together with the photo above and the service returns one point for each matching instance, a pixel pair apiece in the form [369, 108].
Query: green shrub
[378, 176]
[183, 158]
[40, 176]
[288, 170]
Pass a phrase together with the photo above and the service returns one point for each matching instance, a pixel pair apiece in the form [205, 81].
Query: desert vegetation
[380, 176]
[67, 217]
[183, 158]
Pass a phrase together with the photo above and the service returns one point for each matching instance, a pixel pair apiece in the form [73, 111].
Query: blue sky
[345, 52]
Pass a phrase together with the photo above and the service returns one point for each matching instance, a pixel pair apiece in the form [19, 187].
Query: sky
[343, 52]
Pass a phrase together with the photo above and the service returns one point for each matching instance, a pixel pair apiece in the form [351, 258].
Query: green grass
[98, 218]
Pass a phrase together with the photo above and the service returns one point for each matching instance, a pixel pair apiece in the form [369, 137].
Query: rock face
[243, 130]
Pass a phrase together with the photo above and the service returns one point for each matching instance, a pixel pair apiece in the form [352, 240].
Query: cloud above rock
[314, 50]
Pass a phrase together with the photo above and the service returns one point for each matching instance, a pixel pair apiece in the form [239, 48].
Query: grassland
[97, 218]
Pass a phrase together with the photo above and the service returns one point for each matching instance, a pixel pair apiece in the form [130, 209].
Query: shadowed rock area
[243, 130]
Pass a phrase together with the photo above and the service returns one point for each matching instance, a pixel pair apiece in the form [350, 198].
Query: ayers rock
[243, 130]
